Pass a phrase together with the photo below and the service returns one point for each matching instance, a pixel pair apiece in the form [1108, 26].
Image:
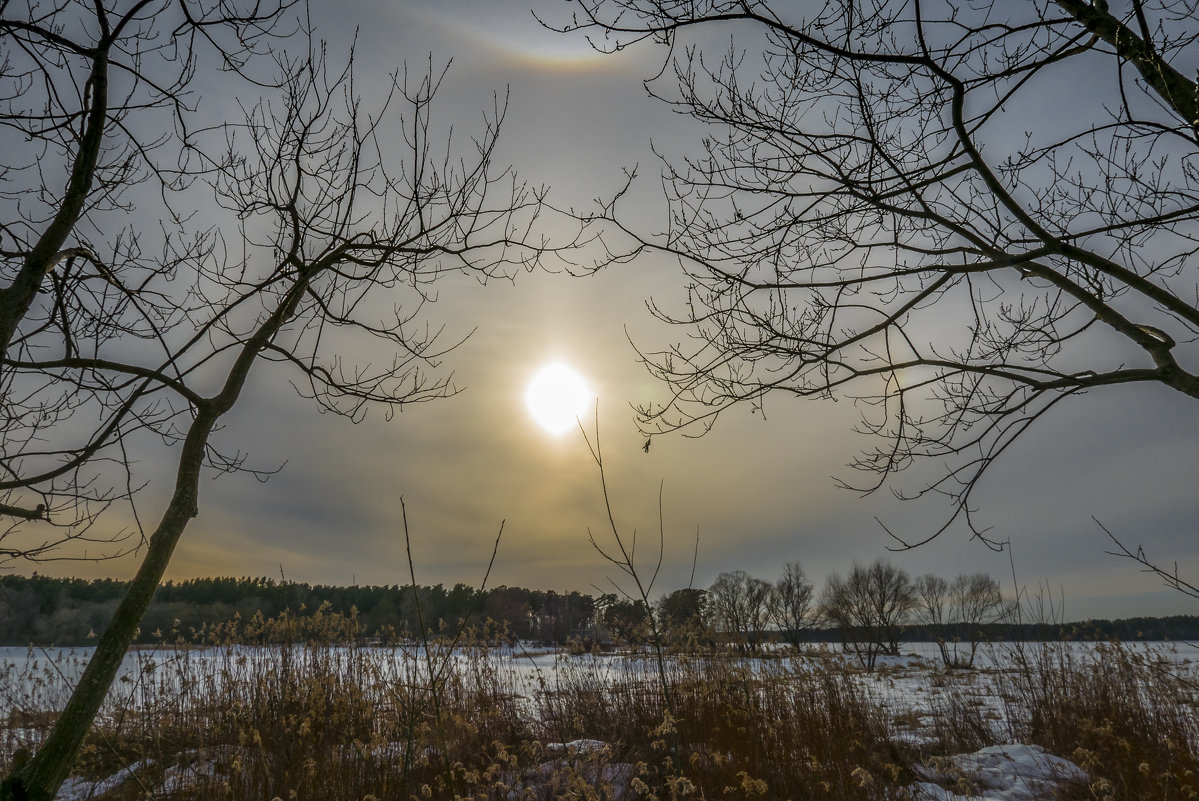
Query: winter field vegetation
[326, 713]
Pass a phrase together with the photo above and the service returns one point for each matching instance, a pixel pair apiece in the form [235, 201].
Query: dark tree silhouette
[959, 214]
[681, 613]
[339, 219]
[793, 605]
[958, 612]
[870, 607]
[97, 112]
[739, 605]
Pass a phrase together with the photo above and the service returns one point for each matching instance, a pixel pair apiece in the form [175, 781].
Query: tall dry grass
[448, 721]
[1123, 714]
[772, 729]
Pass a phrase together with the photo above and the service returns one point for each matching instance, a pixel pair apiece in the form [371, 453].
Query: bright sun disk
[557, 397]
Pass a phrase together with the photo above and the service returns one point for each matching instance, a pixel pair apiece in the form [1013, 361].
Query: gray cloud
[759, 492]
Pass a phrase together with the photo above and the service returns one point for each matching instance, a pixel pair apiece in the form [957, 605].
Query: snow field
[978, 710]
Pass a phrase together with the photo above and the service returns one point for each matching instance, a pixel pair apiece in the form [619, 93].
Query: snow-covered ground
[996, 773]
[912, 688]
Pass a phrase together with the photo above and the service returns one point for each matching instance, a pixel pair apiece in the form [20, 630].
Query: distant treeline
[43, 611]
[1173, 628]
[40, 610]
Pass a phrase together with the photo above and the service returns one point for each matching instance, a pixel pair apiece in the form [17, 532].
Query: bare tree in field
[792, 604]
[961, 214]
[739, 604]
[870, 607]
[932, 600]
[958, 613]
[337, 221]
[97, 113]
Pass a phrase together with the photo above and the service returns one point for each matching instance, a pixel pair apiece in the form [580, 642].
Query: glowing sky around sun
[759, 489]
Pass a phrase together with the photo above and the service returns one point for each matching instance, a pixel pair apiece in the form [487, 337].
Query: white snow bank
[79, 789]
[576, 747]
[998, 773]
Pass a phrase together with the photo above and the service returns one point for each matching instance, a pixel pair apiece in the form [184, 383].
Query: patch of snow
[198, 767]
[177, 778]
[25, 736]
[576, 747]
[389, 752]
[79, 789]
[916, 738]
[1013, 772]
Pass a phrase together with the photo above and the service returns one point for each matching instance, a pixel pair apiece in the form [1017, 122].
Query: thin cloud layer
[759, 491]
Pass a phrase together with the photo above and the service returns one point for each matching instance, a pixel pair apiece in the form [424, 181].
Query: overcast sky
[756, 492]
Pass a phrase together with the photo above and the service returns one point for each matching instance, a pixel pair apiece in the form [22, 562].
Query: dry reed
[316, 721]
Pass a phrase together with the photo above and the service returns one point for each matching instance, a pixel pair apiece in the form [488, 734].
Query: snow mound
[576, 747]
[998, 773]
[77, 788]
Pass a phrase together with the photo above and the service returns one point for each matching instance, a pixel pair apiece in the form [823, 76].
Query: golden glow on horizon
[557, 397]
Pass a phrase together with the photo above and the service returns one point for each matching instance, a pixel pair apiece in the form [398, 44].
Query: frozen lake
[41, 679]
[914, 693]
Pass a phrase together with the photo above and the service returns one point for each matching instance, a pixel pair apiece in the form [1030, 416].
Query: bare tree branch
[913, 205]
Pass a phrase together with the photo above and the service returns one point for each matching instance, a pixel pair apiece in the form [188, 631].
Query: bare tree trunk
[40, 777]
[334, 153]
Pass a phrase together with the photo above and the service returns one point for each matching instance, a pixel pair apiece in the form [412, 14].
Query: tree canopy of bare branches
[961, 215]
[334, 220]
[870, 606]
[957, 611]
[792, 603]
[739, 606]
[97, 111]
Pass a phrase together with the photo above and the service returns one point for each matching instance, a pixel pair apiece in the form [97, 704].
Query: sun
[557, 397]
